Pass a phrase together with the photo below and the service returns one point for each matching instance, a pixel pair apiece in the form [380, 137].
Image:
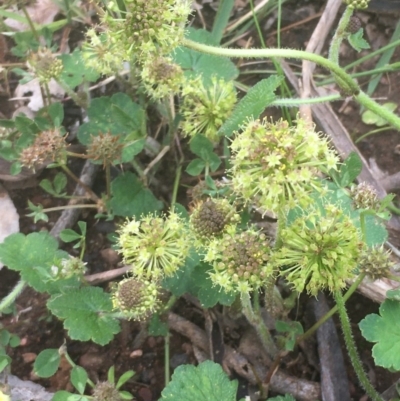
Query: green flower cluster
[155, 246]
[150, 28]
[320, 250]
[240, 261]
[357, 4]
[275, 166]
[161, 77]
[137, 298]
[45, 65]
[376, 262]
[213, 218]
[205, 108]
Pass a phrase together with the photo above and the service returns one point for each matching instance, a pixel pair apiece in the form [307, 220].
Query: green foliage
[348, 171]
[56, 186]
[79, 378]
[357, 41]
[75, 70]
[371, 118]
[130, 198]
[118, 116]
[85, 313]
[69, 235]
[259, 96]
[33, 256]
[384, 330]
[197, 64]
[47, 362]
[205, 382]
[202, 147]
[290, 331]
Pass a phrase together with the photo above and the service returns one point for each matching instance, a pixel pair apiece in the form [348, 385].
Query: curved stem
[352, 350]
[12, 296]
[340, 74]
[258, 324]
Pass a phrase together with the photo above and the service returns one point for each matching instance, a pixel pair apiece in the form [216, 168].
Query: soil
[38, 329]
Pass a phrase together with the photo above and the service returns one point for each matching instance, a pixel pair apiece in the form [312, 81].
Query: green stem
[108, 181]
[30, 23]
[271, 53]
[57, 208]
[352, 350]
[328, 315]
[63, 351]
[340, 34]
[89, 191]
[176, 185]
[258, 324]
[12, 296]
[166, 360]
[340, 74]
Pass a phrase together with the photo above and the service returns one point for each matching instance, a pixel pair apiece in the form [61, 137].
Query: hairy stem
[352, 350]
[258, 324]
[12, 296]
[342, 77]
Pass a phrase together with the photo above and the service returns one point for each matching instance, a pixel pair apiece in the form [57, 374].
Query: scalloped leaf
[205, 382]
[384, 330]
[33, 256]
[85, 313]
[130, 198]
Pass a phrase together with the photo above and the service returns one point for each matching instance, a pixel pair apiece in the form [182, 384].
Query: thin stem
[30, 23]
[108, 181]
[258, 324]
[328, 315]
[343, 78]
[89, 191]
[63, 351]
[166, 360]
[176, 185]
[58, 208]
[352, 350]
[12, 296]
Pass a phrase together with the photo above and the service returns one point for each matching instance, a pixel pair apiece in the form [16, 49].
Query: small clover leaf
[384, 330]
[85, 313]
[205, 382]
[357, 42]
[370, 118]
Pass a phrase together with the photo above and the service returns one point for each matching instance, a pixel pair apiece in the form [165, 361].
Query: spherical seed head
[364, 196]
[161, 77]
[106, 391]
[207, 106]
[275, 165]
[240, 261]
[105, 148]
[48, 146]
[320, 250]
[45, 64]
[357, 4]
[211, 218]
[155, 246]
[376, 262]
[138, 298]
[354, 24]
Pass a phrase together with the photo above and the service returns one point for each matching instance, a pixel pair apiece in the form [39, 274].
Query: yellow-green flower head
[66, 268]
[155, 246]
[357, 4]
[103, 54]
[275, 165]
[213, 218]
[376, 262]
[240, 261]
[161, 77]
[45, 65]
[320, 250]
[155, 26]
[205, 108]
[137, 298]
